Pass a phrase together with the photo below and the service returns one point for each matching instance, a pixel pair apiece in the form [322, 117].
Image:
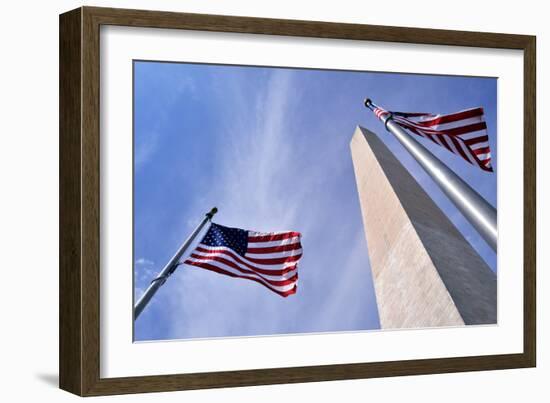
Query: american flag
[269, 258]
[463, 133]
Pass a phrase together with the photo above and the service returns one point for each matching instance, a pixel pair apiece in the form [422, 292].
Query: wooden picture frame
[79, 279]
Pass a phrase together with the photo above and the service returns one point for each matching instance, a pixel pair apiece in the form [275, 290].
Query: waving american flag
[269, 258]
[463, 133]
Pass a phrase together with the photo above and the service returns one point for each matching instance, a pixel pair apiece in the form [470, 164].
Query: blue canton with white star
[233, 238]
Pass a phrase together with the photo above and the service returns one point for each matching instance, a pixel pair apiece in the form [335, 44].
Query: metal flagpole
[170, 267]
[481, 214]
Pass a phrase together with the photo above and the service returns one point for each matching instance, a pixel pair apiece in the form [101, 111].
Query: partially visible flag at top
[463, 133]
[269, 258]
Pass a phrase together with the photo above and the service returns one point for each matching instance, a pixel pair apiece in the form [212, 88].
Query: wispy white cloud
[144, 262]
[148, 144]
[144, 271]
[266, 182]
[146, 149]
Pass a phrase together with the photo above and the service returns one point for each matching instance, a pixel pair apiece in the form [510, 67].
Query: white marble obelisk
[425, 272]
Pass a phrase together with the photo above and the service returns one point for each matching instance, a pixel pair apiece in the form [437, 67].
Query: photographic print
[279, 200]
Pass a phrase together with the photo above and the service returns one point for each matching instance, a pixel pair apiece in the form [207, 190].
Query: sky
[270, 148]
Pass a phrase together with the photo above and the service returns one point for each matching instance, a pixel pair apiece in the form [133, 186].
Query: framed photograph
[248, 201]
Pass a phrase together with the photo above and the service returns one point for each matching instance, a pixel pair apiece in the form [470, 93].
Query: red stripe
[486, 168]
[273, 249]
[480, 163]
[274, 237]
[457, 131]
[459, 148]
[380, 112]
[476, 140]
[240, 261]
[278, 260]
[429, 136]
[445, 144]
[486, 160]
[227, 273]
[481, 150]
[453, 117]
[487, 164]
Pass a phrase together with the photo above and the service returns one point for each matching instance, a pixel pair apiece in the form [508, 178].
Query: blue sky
[270, 148]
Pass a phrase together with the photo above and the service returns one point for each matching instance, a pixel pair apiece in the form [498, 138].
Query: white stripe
[431, 117]
[438, 139]
[274, 255]
[479, 145]
[484, 156]
[274, 243]
[279, 266]
[255, 233]
[458, 123]
[220, 265]
[452, 145]
[467, 152]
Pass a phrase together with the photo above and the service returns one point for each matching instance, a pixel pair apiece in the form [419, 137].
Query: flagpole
[480, 213]
[170, 266]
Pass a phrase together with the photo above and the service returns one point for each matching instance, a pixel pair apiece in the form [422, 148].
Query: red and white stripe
[271, 260]
[463, 133]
